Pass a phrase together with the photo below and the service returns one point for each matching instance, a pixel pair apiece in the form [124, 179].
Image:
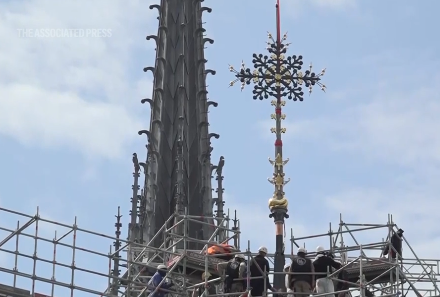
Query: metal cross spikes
[277, 76]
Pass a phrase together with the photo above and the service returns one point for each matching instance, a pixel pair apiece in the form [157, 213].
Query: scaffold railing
[38, 255]
[360, 255]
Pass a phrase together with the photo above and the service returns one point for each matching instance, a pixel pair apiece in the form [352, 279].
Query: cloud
[68, 92]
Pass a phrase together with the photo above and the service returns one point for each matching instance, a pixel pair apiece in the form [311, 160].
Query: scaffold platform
[40, 257]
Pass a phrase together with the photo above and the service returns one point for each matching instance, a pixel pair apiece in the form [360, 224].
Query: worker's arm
[156, 279]
[289, 277]
[221, 267]
[241, 270]
[335, 265]
[313, 274]
[267, 269]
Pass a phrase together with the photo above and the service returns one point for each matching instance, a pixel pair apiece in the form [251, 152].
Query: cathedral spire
[278, 76]
[179, 120]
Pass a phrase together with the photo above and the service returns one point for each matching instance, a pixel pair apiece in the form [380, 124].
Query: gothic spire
[179, 92]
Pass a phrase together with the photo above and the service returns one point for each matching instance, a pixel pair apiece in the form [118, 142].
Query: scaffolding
[39, 255]
[58, 259]
[367, 267]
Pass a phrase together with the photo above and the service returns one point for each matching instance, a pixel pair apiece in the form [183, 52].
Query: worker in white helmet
[233, 273]
[323, 264]
[259, 266]
[201, 289]
[156, 279]
[301, 278]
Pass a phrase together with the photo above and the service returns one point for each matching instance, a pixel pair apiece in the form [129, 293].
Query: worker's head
[400, 232]
[162, 269]
[262, 251]
[301, 252]
[207, 275]
[320, 250]
[239, 257]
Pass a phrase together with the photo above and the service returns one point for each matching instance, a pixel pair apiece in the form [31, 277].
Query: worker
[396, 243]
[156, 279]
[323, 264]
[286, 281]
[260, 265]
[302, 278]
[210, 287]
[233, 273]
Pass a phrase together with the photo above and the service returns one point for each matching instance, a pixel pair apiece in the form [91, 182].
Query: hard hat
[207, 275]
[240, 256]
[286, 266]
[302, 250]
[161, 267]
[263, 249]
[319, 249]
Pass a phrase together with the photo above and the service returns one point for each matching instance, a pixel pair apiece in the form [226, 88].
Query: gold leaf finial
[279, 180]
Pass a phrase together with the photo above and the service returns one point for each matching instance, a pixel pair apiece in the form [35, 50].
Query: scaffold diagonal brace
[7, 238]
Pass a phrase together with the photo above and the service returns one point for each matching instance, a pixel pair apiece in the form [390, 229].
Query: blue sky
[70, 112]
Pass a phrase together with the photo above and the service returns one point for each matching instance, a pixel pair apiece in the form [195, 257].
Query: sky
[368, 147]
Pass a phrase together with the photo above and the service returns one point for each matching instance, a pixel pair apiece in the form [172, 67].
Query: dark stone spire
[179, 119]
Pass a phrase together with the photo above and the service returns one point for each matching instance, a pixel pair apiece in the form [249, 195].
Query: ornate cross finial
[277, 76]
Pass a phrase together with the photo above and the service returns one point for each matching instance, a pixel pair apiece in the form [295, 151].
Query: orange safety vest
[221, 249]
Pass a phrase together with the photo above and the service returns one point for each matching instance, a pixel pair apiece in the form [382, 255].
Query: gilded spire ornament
[276, 75]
